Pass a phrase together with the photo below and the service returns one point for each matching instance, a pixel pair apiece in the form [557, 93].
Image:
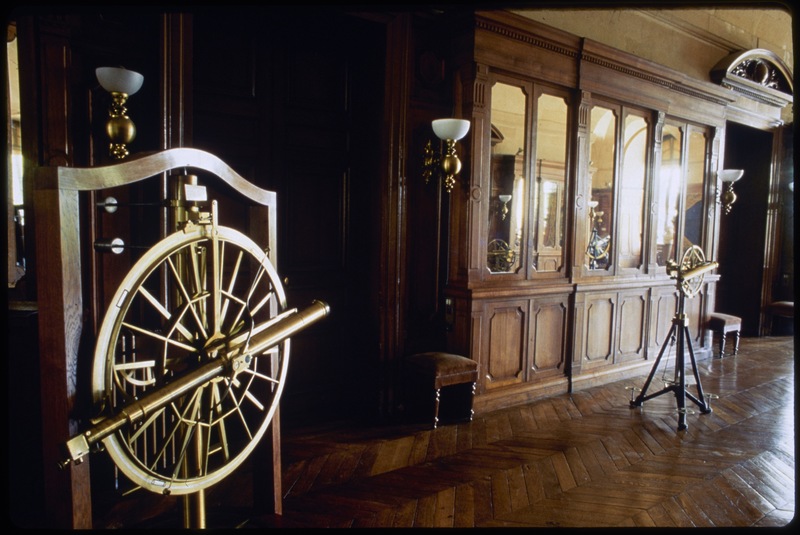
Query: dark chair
[781, 309]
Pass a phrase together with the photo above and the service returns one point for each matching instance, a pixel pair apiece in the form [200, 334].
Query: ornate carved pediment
[758, 74]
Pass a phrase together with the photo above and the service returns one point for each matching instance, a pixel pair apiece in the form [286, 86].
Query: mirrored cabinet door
[602, 170]
[551, 181]
[695, 178]
[668, 193]
[633, 175]
[508, 209]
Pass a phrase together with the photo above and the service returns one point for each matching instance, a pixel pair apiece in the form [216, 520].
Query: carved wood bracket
[757, 74]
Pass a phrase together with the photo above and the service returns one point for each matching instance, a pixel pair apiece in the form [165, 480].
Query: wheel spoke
[158, 336]
[229, 293]
[185, 294]
[150, 298]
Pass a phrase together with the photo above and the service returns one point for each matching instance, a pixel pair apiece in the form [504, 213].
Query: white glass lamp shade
[730, 175]
[453, 129]
[119, 80]
[504, 198]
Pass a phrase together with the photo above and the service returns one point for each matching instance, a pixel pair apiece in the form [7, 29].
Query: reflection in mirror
[693, 223]
[601, 171]
[15, 211]
[507, 208]
[551, 155]
[667, 194]
[631, 205]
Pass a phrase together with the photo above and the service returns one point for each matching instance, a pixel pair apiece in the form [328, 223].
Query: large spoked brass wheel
[197, 295]
[692, 258]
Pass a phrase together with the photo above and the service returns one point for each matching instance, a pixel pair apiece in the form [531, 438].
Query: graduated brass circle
[217, 292]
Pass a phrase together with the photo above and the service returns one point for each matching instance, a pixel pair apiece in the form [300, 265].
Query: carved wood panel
[548, 336]
[600, 311]
[631, 330]
[663, 303]
[507, 329]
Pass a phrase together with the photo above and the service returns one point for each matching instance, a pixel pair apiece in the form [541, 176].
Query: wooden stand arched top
[148, 165]
[61, 309]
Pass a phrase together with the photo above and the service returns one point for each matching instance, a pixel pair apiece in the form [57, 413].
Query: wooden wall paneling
[664, 301]
[506, 342]
[613, 73]
[548, 336]
[599, 329]
[518, 45]
[576, 348]
[472, 191]
[632, 327]
[475, 344]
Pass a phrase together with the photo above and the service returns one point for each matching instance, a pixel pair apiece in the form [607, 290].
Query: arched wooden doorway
[755, 256]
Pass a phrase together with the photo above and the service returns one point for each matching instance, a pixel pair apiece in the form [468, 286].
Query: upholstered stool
[722, 324]
[447, 381]
[781, 309]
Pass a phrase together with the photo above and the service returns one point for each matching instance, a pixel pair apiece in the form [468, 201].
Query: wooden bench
[445, 385]
[721, 325]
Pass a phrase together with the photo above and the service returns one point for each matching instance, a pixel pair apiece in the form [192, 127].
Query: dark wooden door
[743, 230]
[295, 104]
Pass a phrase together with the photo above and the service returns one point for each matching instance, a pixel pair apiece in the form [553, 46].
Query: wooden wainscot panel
[548, 337]
[631, 330]
[693, 308]
[598, 329]
[507, 329]
[664, 300]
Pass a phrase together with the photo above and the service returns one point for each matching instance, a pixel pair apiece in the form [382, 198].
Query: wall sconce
[449, 131]
[505, 199]
[728, 177]
[121, 83]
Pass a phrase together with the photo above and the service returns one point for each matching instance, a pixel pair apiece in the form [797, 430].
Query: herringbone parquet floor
[582, 460]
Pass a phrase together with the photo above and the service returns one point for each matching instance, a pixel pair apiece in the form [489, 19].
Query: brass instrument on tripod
[689, 276]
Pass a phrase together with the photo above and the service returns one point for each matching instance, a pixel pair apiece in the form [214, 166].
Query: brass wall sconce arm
[121, 84]
[447, 165]
[728, 197]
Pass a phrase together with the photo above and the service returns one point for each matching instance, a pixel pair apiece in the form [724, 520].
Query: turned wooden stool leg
[451, 376]
[436, 400]
[722, 324]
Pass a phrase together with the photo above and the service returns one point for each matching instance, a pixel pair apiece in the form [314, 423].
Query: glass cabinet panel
[631, 206]
[507, 209]
[668, 194]
[551, 179]
[695, 173]
[602, 149]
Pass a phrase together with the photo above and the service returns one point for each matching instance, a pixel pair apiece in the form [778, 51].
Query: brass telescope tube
[699, 270]
[293, 322]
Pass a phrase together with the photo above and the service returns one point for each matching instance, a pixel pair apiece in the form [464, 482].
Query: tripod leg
[680, 390]
[704, 407]
[667, 341]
